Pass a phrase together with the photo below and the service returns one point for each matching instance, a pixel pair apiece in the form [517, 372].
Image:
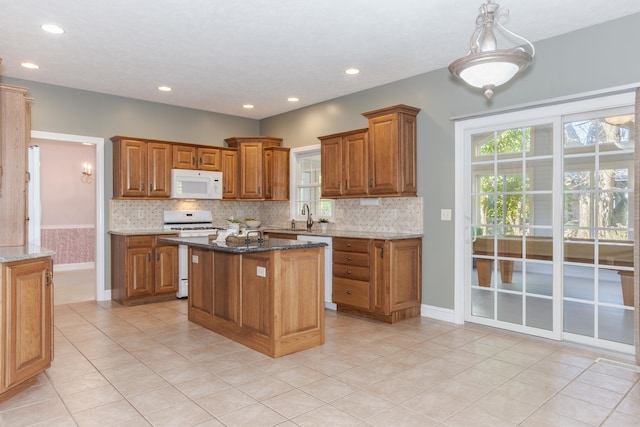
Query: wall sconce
[87, 175]
[486, 66]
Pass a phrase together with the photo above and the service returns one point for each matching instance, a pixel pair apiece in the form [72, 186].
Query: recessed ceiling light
[248, 106]
[30, 65]
[164, 88]
[292, 99]
[352, 71]
[52, 28]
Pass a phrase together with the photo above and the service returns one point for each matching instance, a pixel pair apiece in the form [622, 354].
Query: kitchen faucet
[309, 220]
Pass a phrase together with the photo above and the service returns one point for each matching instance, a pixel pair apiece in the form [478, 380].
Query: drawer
[351, 292]
[162, 236]
[351, 258]
[351, 272]
[351, 245]
[140, 241]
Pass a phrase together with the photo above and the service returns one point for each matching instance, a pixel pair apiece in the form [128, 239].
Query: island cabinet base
[394, 317]
[271, 301]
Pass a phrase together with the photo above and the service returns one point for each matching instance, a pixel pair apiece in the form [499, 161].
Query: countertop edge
[22, 253]
[272, 245]
[301, 232]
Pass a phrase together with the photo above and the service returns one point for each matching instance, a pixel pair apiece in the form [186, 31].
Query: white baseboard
[105, 296]
[76, 266]
[438, 313]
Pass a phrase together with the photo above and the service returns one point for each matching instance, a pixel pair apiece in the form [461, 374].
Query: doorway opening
[97, 176]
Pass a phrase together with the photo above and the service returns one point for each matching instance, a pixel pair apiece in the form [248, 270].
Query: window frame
[296, 154]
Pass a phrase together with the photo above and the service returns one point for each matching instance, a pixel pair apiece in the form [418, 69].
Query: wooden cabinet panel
[354, 293]
[355, 164]
[27, 332]
[209, 159]
[226, 292]
[141, 169]
[257, 293]
[15, 132]
[143, 269]
[276, 173]
[184, 156]
[229, 173]
[251, 176]
[344, 164]
[200, 273]
[159, 156]
[392, 151]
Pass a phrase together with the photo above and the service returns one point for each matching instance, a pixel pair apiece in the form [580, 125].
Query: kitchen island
[266, 295]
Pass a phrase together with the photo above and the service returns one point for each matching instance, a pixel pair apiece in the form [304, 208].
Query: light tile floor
[148, 365]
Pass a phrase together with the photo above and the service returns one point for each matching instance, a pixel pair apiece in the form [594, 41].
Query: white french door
[548, 214]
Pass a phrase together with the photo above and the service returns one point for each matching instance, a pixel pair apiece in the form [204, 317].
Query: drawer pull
[348, 292]
[348, 258]
[349, 244]
[348, 271]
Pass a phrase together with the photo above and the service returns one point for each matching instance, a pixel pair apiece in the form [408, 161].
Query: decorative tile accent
[72, 244]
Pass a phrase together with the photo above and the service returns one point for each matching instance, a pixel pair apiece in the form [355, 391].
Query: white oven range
[191, 223]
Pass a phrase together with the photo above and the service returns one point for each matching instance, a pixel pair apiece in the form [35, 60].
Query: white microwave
[195, 184]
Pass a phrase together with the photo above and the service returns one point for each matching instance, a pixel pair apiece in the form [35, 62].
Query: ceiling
[220, 54]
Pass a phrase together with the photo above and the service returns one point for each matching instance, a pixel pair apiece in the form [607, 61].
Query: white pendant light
[486, 66]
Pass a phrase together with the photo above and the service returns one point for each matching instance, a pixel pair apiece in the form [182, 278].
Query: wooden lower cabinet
[27, 323]
[378, 279]
[143, 269]
[272, 302]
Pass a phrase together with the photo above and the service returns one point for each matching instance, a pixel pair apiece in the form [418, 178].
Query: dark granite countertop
[266, 245]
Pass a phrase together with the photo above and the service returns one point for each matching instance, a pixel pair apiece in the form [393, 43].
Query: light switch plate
[445, 214]
[194, 259]
[261, 271]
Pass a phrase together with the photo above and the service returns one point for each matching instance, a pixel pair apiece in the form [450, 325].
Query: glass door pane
[598, 236]
[512, 248]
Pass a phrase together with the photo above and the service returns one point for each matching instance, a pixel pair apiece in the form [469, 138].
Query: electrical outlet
[445, 214]
[140, 214]
[194, 259]
[261, 272]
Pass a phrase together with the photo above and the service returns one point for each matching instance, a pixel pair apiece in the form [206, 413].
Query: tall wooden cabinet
[392, 151]
[344, 164]
[378, 279]
[229, 160]
[379, 161]
[26, 317]
[254, 175]
[143, 269]
[15, 123]
[141, 168]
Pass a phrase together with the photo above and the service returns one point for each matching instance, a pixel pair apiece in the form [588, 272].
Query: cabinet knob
[348, 292]
[348, 258]
[348, 271]
[349, 244]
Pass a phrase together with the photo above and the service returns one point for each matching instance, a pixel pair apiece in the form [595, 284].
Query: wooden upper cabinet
[344, 164]
[159, 164]
[392, 151]
[251, 163]
[209, 159]
[184, 156]
[276, 173]
[229, 160]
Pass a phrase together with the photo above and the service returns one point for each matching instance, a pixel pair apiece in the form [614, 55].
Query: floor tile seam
[106, 404]
[623, 399]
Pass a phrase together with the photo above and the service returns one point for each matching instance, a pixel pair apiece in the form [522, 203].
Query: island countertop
[238, 248]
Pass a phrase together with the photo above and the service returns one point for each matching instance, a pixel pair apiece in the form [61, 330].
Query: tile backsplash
[393, 215]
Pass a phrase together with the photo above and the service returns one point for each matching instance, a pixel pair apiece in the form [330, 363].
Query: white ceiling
[220, 54]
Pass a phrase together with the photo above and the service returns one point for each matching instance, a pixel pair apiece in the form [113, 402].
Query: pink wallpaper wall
[68, 204]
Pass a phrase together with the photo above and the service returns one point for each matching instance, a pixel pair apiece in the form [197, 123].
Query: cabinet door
[276, 173]
[251, 170]
[166, 269]
[200, 289]
[159, 169]
[133, 168]
[139, 272]
[257, 292]
[229, 174]
[184, 157]
[355, 155]
[28, 305]
[209, 159]
[383, 155]
[331, 166]
[226, 292]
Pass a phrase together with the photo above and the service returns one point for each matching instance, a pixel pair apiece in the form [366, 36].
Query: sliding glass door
[548, 245]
